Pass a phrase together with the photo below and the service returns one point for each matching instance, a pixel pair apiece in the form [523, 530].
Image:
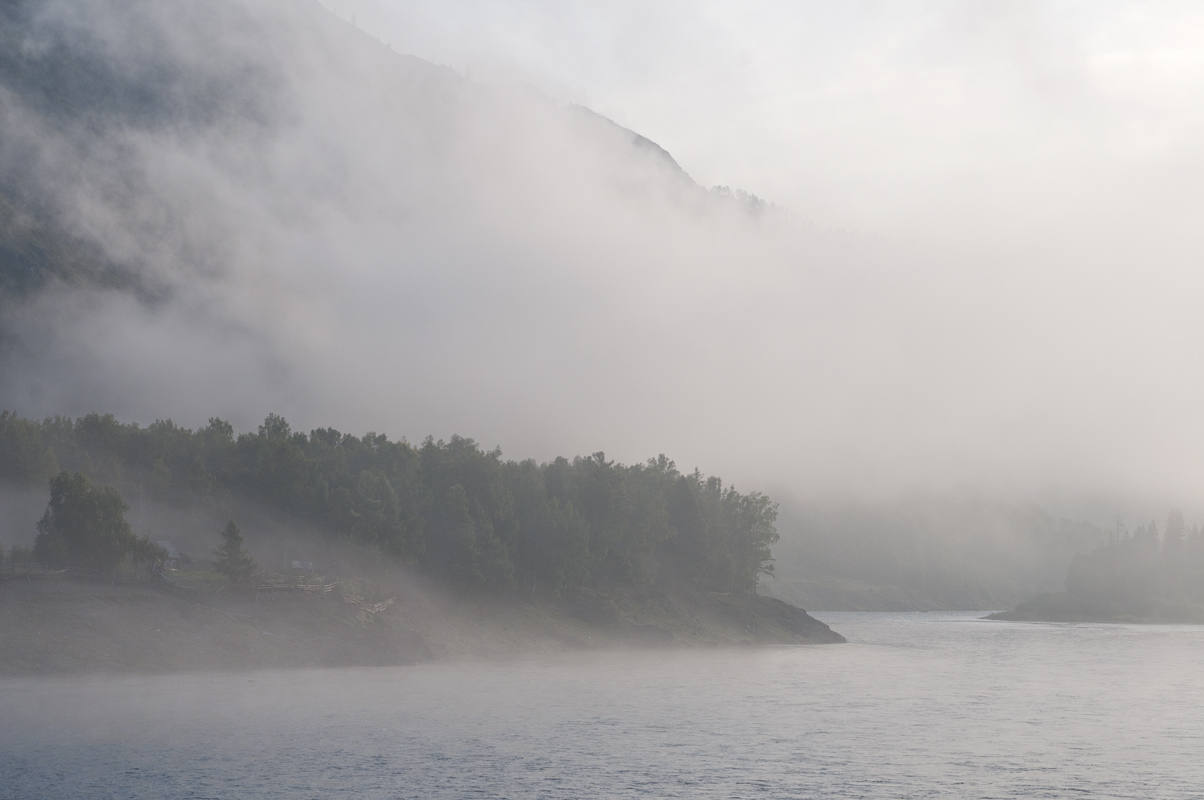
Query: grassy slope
[68, 626]
[60, 626]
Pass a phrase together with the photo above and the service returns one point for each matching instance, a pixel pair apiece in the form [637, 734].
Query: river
[915, 705]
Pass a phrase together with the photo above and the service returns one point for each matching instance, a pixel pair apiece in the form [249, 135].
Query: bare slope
[65, 626]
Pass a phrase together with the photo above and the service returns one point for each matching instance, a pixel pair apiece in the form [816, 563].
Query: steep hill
[94, 96]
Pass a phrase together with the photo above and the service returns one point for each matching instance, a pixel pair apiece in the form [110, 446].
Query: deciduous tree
[83, 525]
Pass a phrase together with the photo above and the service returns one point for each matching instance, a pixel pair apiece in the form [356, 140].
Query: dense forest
[451, 508]
[1139, 575]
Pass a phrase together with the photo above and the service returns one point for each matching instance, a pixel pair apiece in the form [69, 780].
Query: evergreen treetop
[233, 561]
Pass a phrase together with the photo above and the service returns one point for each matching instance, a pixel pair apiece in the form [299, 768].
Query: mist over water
[916, 705]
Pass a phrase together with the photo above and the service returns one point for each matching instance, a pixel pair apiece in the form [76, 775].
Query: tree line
[1143, 572]
[451, 508]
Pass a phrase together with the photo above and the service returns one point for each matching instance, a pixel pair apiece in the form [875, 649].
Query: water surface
[916, 705]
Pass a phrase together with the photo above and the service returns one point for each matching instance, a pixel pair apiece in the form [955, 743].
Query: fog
[980, 274]
[925, 273]
[933, 120]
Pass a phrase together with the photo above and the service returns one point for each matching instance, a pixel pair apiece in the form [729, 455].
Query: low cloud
[321, 227]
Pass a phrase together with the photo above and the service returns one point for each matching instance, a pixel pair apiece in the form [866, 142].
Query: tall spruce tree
[232, 560]
[1175, 537]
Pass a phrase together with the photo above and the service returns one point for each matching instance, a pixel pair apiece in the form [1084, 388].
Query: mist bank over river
[936, 552]
[1144, 575]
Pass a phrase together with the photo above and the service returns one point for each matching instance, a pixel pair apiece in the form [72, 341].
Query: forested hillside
[455, 510]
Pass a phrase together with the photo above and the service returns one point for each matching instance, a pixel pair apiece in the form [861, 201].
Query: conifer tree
[1175, 537]
[232, 560]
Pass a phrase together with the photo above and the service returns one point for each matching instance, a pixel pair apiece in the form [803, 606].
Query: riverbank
[1066, 607]
[75, 626]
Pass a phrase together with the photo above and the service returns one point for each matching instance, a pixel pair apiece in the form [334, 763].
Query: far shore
[1065, 607]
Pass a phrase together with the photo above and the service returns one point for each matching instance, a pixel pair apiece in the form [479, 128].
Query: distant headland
[280, 548]
[1143, 576]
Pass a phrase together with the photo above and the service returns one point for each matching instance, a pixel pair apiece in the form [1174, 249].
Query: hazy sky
[1049, 155]
[395, 249]
[940, 120]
